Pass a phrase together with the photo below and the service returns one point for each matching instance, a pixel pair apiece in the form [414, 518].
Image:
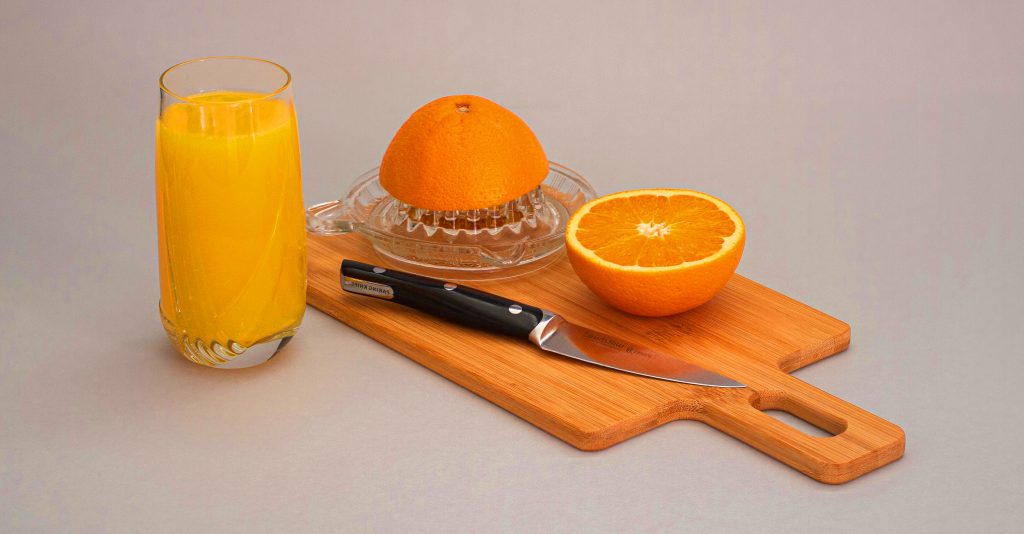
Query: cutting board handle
[861, 442]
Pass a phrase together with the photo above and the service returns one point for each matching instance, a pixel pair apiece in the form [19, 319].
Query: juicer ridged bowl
[501, 241]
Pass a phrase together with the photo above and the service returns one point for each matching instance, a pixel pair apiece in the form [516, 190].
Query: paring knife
[492, 313]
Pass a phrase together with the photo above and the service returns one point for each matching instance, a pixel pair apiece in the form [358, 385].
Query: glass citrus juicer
[502, 241]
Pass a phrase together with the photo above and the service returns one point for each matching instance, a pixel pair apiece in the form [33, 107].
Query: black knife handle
[447, 300]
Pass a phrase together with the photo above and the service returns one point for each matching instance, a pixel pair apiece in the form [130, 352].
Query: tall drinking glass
[230, 217]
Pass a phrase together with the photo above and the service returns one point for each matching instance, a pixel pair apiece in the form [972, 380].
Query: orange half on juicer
[464, 191]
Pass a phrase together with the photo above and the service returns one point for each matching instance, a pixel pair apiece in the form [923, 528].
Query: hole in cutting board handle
[796, 422]
[809, 420]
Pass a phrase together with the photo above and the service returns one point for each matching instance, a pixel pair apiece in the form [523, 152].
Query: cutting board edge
[829, 347]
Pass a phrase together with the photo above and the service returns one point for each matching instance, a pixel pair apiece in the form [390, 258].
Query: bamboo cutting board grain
[748, 332]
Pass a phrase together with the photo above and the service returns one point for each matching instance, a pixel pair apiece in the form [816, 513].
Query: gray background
[874, 149]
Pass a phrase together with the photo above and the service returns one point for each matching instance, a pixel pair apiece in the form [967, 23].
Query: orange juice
[230, 222]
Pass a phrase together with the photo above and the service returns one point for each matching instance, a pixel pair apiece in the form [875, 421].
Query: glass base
[230, 356]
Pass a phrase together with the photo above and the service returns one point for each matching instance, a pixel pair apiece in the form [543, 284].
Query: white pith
[651, 229]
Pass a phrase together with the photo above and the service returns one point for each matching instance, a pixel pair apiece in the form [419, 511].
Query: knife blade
[549, 331]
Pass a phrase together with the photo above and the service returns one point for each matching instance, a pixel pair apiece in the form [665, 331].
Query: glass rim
[284, 87]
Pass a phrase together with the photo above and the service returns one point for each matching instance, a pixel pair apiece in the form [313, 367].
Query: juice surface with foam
[231, 223]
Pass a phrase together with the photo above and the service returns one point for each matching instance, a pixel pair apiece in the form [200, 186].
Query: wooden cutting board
[748, 332]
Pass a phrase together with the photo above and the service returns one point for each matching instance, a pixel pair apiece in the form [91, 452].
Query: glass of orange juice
[230, 220]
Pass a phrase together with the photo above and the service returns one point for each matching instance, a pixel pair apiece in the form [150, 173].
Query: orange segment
[462, 152]
[656, 251]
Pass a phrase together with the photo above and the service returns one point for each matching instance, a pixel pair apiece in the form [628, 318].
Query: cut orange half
[655, 252]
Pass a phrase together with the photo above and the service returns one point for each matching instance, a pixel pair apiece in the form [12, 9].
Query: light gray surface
[875, 151]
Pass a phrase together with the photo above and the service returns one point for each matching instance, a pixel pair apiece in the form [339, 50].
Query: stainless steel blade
[557, 335]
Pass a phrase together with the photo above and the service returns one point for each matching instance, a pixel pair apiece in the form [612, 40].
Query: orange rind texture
[462, 152]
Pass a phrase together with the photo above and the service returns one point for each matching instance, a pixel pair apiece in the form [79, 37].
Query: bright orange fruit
[462, 152]
[655, 252]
